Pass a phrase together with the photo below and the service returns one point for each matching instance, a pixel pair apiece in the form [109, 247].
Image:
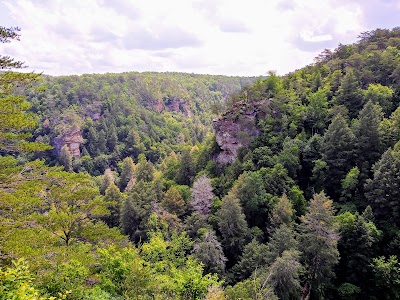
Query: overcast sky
[198, 36]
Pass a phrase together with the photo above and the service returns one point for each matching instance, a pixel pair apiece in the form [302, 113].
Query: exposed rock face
[237, 128]
[73, 139]
[176, 104]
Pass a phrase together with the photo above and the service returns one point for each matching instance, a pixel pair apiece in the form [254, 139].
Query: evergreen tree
[358, 237]
[144, 169]
[101, 144]
[114, 199]
[136, 210]
[173, 202]
[318, 243]
[233, 226]
[337, 152]
[16, 121]
[186, 169]
[253, 258]
[127, 172]
[382, 191]
[283, 238]
[350, 94]
[209, 251]
[284, 275]
[112, 138]
[367, 142]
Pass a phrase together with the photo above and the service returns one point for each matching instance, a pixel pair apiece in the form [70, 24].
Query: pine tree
[382, 191]
[114, 199]
[358, 237]
[367, 142]
[350, 93]
[112, 138]
[284, 275]
[233, 226]
[16, 121]
[127, 172]
[337, 152]
[186, 169]
[253, 258]
[209, 251]
[318, 243]
[144, 169]
[283, 238]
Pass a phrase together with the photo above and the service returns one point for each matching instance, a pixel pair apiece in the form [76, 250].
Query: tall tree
[209, 251]
[16, 121]
[114, 199]
[367, 141]
[127, 172]
[144, 169]
[337, 152]
[233, 226]
[382, 191]
[249, 189]
[350, 94]
[318, 242]
[358, 237]
[284, 275]
[185, 171]
[173, 201]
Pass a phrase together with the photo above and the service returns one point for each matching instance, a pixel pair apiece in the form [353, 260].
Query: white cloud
[201, 36]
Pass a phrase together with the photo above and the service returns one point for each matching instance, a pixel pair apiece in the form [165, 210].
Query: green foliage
[387, 277]
[318, 243]
[15, 119]
[319, 128]
[250, 289]
[350, 94]
[252, 258]
[380, 94]
[382, 190]
[208, 250]
[232, 225]
[249, 189]
[16, 282]
[337, 153]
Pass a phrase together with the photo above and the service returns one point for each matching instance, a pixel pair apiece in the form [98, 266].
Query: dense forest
[184, 186]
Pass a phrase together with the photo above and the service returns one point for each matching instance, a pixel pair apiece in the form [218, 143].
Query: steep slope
[112, 116]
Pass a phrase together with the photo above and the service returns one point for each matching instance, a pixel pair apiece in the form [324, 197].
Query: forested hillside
[295, 196]
[104, 118]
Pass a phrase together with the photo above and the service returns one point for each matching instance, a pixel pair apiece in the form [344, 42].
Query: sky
[229, 37]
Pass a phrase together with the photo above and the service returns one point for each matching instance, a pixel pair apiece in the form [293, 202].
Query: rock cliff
[237, 128]
[73, 139]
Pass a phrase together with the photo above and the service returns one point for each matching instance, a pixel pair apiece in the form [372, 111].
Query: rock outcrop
[237, 128]
[176, 104]
[73, 139]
